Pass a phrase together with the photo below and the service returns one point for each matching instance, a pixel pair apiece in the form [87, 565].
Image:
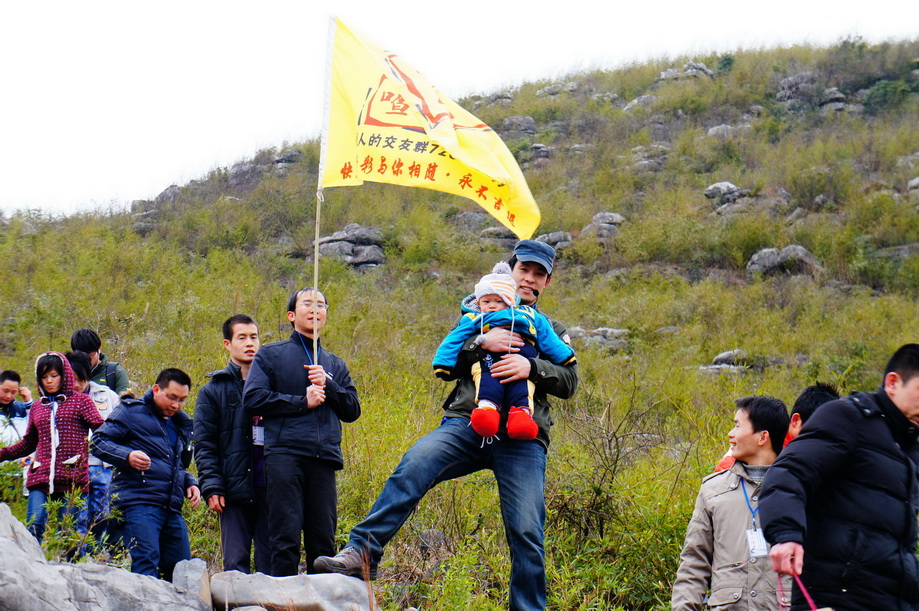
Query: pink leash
[781, 591]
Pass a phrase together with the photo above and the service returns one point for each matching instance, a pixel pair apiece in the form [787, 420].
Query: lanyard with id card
[756, 542]
[258, 432]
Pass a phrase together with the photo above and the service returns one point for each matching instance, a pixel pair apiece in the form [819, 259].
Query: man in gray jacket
[725, 552]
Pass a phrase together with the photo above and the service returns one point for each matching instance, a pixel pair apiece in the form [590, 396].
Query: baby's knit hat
[499, 282]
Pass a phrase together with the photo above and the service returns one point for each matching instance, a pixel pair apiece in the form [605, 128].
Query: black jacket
[223, 437]
[276, 390]
[847, 490]
[137, 425]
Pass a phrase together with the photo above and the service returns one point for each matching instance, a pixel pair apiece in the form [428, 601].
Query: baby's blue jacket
[526, 321]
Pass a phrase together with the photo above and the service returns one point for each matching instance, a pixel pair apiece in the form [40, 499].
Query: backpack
[110, 369]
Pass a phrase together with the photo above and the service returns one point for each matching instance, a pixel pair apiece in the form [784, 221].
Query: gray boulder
[501, 99]
[603, 232]
[670, 74]
[191, 576]
[353, 254]
[169, 195]
[726, 131]
[355, 234]
[557, 239]
[730, 357]
[604, 338]
[541, 151]
[327, 592]
[610, 332]
[719, 131]
[608, 218]
[731, 209]
[29, 581]
[612, 345]
[608, 97]
[796, 215]
[651, 158]
[355, 245]
[553, 90]
[501, 237]
[791, 260]
[697, 70]
[832, 96]
[642, 101]
[470, 221]
[246, 174]
[604, 227]
[724, 193]
[289, 155]
[798, 90]
[690, 70]
[518, 126]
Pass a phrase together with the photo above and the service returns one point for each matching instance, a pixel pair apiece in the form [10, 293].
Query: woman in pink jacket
[58, 426]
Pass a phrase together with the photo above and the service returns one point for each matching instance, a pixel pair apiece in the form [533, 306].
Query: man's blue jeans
[156, 538]
[98, 506]
[37, 512]
[100, 483]
[452, 450]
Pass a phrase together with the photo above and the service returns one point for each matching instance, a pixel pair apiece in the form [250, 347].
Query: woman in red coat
[59, 423]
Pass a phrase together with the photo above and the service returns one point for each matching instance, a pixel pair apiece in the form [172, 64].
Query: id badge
[757, 543]
[258, 435]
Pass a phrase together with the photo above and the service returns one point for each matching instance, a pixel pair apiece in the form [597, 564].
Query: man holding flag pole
[385, 123]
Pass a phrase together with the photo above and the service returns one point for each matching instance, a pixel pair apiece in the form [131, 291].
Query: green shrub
[885, 95]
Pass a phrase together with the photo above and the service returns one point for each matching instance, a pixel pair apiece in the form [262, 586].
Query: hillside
[821, 149]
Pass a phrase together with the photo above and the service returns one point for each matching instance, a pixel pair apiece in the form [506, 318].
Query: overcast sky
[104, 102]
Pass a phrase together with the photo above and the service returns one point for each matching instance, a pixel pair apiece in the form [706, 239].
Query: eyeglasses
[314, 305]
[48, 400]
[175, 400]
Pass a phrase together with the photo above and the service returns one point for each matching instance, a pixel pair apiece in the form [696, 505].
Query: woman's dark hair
[46, 363]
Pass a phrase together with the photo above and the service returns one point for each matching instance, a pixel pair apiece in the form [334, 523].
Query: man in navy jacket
[148, 441]
[303, 397]
[840, 504]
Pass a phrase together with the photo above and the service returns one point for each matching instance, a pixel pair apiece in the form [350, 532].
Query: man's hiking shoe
[349, 561]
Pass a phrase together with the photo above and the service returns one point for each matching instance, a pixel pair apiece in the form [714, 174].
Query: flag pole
[319, 199]
[324, 141]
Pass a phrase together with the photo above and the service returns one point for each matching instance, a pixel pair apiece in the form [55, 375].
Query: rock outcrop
[791, 260]
[29, 581]
[359, 246]
[233, 589]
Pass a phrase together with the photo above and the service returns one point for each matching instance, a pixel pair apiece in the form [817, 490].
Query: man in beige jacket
[725, 552]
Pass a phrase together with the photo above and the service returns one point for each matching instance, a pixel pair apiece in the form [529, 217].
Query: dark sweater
[276, 390]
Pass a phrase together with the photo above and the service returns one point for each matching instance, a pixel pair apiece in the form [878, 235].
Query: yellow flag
[386, 123]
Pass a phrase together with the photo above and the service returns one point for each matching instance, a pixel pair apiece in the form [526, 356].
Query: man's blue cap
[537, 252]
